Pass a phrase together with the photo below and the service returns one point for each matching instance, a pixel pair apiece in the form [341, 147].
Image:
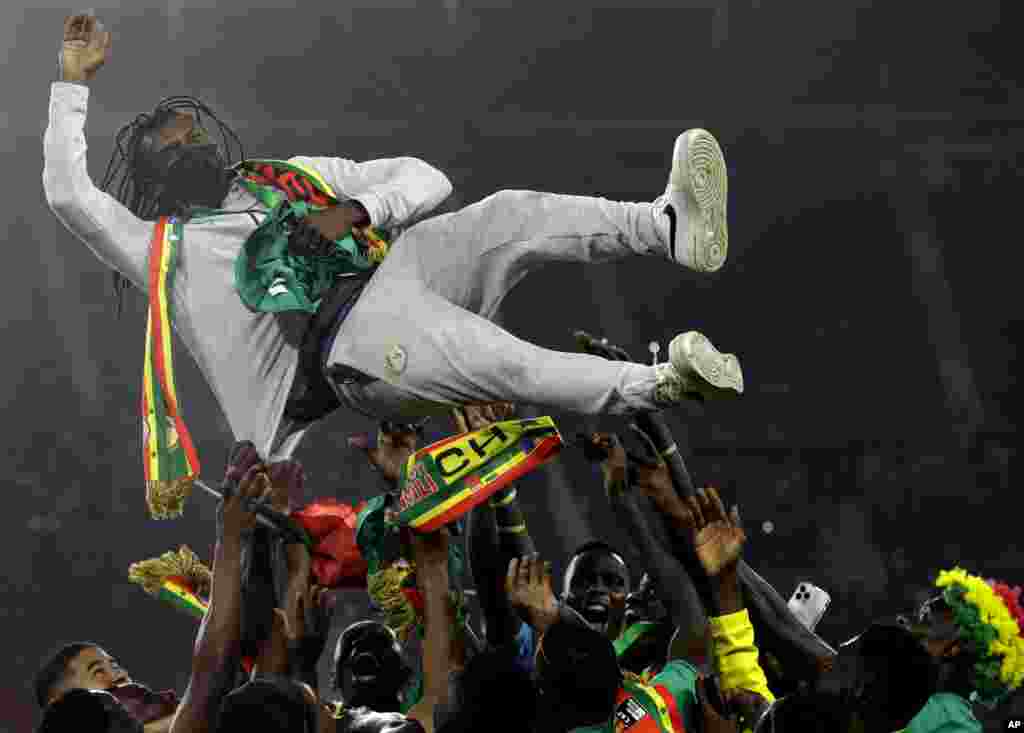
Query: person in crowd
[87, 666]
[215, 657]
[973, 635]
[88, 709]
[685, 623]
[369, 668]
[922, 672]
[578, 668]
[647, 631]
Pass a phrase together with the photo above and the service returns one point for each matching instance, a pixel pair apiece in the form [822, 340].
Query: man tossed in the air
[420, 338]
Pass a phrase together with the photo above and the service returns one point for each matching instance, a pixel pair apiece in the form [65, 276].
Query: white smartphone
[809, 603]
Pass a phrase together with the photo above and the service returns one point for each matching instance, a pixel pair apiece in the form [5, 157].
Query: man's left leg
[475, 256]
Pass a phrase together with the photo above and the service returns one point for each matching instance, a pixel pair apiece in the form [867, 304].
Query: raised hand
[477, 417]
[614, 464]
[391, 452]
[237, 516]
[528, 585]
[85, 49]
[430, 549]
[719, 535]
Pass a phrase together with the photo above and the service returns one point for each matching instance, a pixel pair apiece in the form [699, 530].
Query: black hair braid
[139, 196]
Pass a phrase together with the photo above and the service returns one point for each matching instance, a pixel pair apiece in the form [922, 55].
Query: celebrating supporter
[581, 676]
[369, 669]
[87, 666]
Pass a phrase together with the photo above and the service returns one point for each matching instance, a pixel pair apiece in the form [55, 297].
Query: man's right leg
[430, 354]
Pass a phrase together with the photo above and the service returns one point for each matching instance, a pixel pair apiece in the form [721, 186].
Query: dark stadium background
[872, 289]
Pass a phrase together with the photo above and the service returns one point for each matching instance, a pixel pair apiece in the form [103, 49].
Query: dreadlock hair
[122, 178]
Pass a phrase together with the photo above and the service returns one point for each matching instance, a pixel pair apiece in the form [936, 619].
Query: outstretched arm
[430, 553]
[394, 191]
[672, 581]
[719, 540]
[496, 535]
[216, 654]
[112, 232]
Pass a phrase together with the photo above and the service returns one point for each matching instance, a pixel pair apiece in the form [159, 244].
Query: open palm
[719, 537]
[85, 49]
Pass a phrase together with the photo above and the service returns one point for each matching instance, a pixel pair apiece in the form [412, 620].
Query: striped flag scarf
[168, 452]
[169, 455]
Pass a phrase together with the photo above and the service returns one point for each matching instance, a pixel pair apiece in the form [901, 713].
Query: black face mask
[195, 176]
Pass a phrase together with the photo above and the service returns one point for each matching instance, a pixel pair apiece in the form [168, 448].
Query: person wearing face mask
[280, 279]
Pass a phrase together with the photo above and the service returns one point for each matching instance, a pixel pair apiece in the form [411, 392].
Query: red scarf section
[337, 562]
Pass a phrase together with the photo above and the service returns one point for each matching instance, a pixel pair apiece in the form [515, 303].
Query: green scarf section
[391, 575]
[268, 277]
[391, 581]
[630, 636]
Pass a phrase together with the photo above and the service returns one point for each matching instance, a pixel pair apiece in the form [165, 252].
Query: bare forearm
[438, 637]
[437, 643]
[726, 592]
[216, 647]
[486, 562]
[221, 630]
[673, 582]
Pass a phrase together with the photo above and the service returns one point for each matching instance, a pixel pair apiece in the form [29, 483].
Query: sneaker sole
[712, 373]
[699, 172]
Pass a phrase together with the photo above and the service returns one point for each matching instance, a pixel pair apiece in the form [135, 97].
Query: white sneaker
[696, 370]
[697, 191]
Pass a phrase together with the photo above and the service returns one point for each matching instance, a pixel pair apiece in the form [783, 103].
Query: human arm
[673, 583]
[719, 541]
[162, 725]
[115, 235]
[430, 554]
[393, 191]
[496, 534]
[216, 652]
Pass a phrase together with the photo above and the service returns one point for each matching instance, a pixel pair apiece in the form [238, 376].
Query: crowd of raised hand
[676, 651]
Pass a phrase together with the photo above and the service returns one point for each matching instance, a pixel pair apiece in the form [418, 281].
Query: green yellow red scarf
[169, 456]
[443, 481]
